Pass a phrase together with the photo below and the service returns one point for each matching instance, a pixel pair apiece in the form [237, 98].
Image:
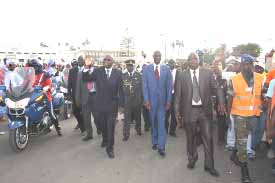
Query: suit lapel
[152, 70]
[189, 80]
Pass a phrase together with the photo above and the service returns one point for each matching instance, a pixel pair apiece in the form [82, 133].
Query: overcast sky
[151, 22]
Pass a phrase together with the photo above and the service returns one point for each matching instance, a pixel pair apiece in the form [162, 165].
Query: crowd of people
[186, 95]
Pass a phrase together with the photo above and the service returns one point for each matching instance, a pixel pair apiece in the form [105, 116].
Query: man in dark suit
[73, 74]
[108, 98]
[194, 91]
[85, 96]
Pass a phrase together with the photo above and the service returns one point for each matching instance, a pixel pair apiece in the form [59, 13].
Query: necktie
[157, 73]
[196, 92]
[108, 73]
[131, 74]
[90, 85]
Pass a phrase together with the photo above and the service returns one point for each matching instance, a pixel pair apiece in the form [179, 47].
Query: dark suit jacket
[135, 98]
[73, 72]
[183, 94]
[109, 92]
[82, 92]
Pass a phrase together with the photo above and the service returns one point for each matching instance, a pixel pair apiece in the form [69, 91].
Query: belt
[92, 93]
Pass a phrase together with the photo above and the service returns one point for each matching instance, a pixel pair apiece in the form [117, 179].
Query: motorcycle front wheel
[18, 138]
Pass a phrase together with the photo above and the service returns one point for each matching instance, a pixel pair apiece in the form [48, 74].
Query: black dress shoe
[87, 138]
[155, 147]
[173, 134]
[125, 138]
[191, 165]
[59, 133]
[162, 153]
[212, 171]
[103, 144]
[111, 154]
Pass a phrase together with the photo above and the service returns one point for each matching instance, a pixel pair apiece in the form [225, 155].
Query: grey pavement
[67, 159]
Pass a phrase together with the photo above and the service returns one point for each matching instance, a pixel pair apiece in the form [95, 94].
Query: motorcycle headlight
[10, 103]
[22, 103]
[19, 104]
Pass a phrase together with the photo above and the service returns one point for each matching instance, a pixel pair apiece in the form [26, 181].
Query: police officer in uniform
[133, 99]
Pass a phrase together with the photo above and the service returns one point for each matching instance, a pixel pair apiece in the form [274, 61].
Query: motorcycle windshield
[21, 82]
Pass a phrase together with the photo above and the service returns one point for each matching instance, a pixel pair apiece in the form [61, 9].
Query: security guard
[133, 99]
[244, 104]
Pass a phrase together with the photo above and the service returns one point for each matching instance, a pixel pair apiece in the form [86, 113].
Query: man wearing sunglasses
[109, 95]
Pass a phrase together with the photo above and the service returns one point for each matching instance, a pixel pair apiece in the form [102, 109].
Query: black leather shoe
[103, 144]
[111, 154]
[125, 138]
[212, 171]
[87, 138]
[162, 153]
[173, 134]
[59, 133]
[155, 147]
[191, 165]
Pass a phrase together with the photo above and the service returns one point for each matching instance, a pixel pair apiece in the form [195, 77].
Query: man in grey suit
[193, 99]
[85, 96]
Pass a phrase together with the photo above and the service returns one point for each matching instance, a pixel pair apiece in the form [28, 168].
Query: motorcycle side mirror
[37, 88]
[2, 87]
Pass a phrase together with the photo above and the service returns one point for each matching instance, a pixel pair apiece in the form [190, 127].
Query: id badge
[249, 89]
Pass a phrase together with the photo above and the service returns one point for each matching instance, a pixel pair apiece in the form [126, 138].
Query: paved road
[50, 159]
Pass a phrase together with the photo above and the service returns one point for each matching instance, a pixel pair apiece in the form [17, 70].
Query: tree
[208, 56]
[252, 49]
[127, 44]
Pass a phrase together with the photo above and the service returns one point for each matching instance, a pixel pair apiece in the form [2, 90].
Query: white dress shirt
[174, 71]
[110, 71]
[158, 68]
[197, 76]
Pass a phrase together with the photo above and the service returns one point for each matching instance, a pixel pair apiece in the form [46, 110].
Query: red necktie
[157, 73]
[90, 85]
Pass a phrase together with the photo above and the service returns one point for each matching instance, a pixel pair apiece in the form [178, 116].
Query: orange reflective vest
[247, 100]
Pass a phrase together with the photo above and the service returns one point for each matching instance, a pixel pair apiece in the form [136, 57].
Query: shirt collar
[197, 70]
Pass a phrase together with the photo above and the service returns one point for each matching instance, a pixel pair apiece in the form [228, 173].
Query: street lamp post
[165, 46]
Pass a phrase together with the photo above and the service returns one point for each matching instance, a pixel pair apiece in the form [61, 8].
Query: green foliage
[252, 49]
[209, 56]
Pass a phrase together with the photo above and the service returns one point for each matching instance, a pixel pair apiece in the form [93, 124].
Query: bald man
[157, 93]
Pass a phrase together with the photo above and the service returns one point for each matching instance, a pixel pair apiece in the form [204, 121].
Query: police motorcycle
[26, 109]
